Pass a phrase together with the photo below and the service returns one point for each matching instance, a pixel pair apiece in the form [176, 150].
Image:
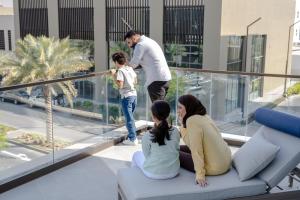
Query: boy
[125, 78]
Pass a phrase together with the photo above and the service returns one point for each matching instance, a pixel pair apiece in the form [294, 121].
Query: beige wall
[277, 16]
[231, 17]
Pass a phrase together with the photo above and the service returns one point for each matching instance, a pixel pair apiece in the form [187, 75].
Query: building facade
[233, 35]
[7, 37]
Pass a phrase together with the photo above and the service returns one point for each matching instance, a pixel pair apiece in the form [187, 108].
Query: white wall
[7, 23]
[6, 3]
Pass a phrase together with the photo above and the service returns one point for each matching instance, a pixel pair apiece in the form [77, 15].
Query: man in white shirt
[150, 56]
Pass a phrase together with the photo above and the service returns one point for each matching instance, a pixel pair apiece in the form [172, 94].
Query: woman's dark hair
[119, 57]
[160, 110]
[192, 106]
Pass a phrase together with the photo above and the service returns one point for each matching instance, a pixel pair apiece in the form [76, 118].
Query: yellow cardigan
[210, 153]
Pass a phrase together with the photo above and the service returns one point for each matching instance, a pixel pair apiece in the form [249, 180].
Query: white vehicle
[14, 96]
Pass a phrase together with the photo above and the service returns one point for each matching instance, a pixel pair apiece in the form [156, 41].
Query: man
[150, 56]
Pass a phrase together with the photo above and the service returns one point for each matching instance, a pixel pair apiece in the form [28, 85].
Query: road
[33, 120]
[15, 155]
[65, 126]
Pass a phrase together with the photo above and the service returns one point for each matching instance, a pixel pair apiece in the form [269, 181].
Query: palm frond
[43, 58]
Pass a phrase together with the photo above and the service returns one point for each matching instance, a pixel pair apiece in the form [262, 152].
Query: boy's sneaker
[130, 143]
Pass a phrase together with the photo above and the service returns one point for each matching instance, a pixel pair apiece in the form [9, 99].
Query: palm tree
[42, 59]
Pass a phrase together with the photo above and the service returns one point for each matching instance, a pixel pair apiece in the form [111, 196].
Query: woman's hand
[179, 119]
[181, 112]
[201, 182]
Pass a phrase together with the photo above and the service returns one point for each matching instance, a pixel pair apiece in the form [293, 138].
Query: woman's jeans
[128, 107]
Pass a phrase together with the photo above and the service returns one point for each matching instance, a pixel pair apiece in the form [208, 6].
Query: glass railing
[231, 98]
[34, 134]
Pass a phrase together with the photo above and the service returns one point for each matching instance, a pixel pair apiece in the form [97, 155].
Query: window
[257, 64]
[76, 19]
[2, 40]
[234, 87]
[9, 40]
[235, 53]
[33, 17]
[85, 89]
[183, 33]
[122, 15]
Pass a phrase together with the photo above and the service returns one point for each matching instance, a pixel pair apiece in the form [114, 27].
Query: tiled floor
[92, 178]
[89, 179]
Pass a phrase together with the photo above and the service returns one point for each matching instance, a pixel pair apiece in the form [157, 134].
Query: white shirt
[150, 56]
[127, 76]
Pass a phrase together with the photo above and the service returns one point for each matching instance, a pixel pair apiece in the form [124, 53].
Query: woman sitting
[160, 156]
[205, 152]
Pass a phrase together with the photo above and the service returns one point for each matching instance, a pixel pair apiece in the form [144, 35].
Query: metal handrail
[97, 74]
[235, 72]
[13, 87]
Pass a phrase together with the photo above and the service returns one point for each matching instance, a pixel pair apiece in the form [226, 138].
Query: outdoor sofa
[280, 131]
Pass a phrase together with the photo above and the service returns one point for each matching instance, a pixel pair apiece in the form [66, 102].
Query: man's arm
[137, 56]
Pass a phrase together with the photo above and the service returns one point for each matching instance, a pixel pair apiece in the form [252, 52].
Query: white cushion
[134, 185]
[253, 157]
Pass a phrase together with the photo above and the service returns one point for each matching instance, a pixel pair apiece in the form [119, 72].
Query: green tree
[175, 53]
[119, 46]
[293, 90]
[42, 59]
[173, 90]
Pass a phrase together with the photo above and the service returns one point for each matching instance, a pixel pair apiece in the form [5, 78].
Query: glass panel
[89, 113]
[22, 133]
[230, 100]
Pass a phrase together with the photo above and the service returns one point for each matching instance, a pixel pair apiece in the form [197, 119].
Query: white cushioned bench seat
[133, 185]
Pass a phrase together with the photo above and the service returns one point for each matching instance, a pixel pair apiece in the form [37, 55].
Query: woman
[205, 152]
[160, 145]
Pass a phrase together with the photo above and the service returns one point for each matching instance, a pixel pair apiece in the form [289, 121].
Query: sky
[6, 3]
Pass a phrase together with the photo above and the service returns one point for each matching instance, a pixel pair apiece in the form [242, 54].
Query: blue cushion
[280, 121]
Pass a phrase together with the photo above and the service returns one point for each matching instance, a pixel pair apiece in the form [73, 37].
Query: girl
[160, 156]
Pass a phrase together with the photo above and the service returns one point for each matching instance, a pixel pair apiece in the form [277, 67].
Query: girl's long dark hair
[160, 110]
[192, 106]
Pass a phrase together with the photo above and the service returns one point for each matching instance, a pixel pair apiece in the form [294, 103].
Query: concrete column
[213, 45]
[220, 81]
[53, 18]
[101, 54]
[249, 52]
[156, 20]
[101, 57]
[16, 20]
[224, 43]
[212, 34]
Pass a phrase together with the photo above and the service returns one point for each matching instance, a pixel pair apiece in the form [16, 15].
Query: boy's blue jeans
[128, 107]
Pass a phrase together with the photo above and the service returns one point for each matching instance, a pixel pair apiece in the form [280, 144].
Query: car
[14, 96]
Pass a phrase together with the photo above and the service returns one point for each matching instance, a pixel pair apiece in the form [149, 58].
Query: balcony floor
[92, 178]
